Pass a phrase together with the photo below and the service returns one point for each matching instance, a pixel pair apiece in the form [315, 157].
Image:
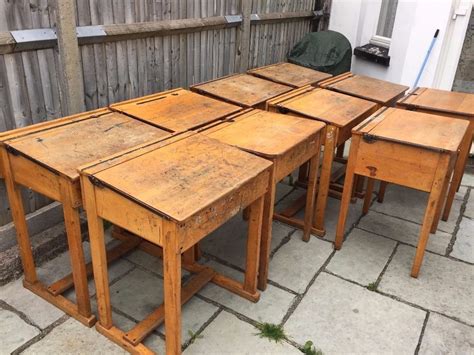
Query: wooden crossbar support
[115, 253]
[156, 318]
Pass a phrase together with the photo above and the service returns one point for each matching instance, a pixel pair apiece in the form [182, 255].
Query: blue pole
[426, 59]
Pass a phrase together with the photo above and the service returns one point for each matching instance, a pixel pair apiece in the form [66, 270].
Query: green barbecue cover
[326, 51]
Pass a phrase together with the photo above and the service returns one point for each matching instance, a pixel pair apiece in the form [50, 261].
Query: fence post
[70, 73]
[244, 36]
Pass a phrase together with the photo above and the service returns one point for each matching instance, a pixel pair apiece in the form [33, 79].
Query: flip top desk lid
[180, 178]
[380, 91]
[265, 133]
[290, 74]
[242, 89]
[65, 144]
[176, 110]
[458, 103]
[414, 128]
[328, 106]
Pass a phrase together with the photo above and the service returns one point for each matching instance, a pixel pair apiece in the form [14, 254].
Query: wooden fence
[130, 48]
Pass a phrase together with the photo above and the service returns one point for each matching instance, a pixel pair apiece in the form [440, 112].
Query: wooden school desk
[176, 110]
[451, 104]
[408, 148]
[289, 74]
[44, 158]
[382, 92]
[175, 194]
[341, 113]
[288, 142]
[242, 89]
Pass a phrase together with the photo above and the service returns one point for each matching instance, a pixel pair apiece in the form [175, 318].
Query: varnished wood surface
[290, 74]
[66, 147]
[415, 128]
[176, 110]
[457, 103]
[265, 133]
[328, 106]
[242, 89]
[380, 91]
[182, 178]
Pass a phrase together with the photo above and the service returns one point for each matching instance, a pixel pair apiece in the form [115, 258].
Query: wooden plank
[72, 85]
[243, 37]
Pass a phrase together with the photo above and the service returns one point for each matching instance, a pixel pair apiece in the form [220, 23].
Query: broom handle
[426, 59]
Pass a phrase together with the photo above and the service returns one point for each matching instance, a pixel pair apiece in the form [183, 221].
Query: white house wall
[415, 24]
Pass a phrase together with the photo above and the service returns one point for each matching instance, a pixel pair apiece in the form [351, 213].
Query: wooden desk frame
[18, 170]
[172, 240]
[334, 137]
[371, 157]
[464, 148]
[283, 165]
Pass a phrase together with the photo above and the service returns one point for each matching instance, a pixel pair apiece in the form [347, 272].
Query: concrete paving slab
[35, 308]
[362, 257]
[229, 335]
[332, 213]
[403, 231]
[59, 267]
[14, 332]
[443, 285]
[463, 248]
[445, 336]
[149, 262]
[271, 308]
[469, 210]
[296, 262]
[72, 337]
[410, 204]
[468, 177]
[138, 294]
[229, 242]
[342, 318]
[282, 190]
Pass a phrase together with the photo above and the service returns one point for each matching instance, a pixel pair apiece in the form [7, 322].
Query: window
[385, 23]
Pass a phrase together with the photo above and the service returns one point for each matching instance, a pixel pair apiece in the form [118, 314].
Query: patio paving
[358, 300]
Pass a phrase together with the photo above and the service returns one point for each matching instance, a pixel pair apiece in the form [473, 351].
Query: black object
[373, 53]
[325, 51]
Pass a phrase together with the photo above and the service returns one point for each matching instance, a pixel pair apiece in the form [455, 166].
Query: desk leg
[76, 253]
[172, 286]
[303, 173]
[266, 237]
[368, 195]
[18, 215]
[347, 192]
[441, 202]
[253, 245]
[430, 213]
[324, 180]
[382, 189]
[98, 253]
[311, 194]
[458, 170]
[340, 150]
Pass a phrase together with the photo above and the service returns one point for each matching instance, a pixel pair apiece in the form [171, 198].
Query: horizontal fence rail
[42, 38]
